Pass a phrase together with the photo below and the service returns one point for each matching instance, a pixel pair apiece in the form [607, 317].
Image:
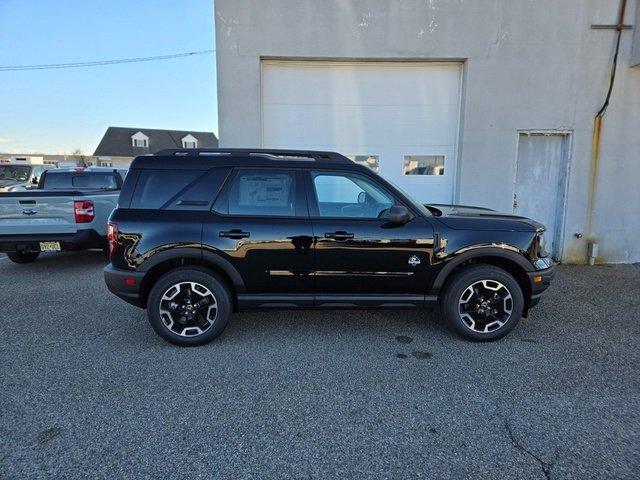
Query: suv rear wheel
[482, 302]
[23, 257]
[189, 306]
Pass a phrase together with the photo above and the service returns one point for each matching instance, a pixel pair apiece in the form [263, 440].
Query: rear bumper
[540, 281]
[119, 283]
[81, 240]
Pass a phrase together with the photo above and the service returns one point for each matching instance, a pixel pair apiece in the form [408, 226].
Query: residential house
[120, 145]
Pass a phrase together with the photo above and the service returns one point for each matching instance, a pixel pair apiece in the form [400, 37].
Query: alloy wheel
[188, 309]
[485, 306]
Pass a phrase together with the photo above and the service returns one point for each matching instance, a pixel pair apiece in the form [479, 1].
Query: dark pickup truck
[199, 234]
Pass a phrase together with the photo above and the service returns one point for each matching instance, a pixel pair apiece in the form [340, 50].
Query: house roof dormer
[189, 141]
[131, 141]
[140, 140]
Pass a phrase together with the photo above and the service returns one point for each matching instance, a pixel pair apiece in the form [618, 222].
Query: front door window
[346, 195]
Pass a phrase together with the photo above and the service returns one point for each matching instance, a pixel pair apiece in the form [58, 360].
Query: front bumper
[81, 240]
[124, 284]
[540, 281]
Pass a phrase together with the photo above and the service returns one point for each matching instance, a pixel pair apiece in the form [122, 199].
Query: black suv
[199, 234]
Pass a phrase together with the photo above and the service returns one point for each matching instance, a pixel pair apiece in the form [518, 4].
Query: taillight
[112, 237]
[83, 210]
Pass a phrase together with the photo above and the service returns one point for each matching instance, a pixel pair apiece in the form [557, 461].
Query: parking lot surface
[88, 390]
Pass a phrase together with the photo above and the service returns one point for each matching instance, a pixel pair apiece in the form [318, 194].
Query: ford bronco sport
[199, 234]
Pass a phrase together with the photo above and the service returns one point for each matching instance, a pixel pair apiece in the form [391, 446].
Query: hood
[464, 217]
[9, 182]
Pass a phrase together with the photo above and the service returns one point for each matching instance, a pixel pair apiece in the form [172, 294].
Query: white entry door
[541, 183]
[400, 118]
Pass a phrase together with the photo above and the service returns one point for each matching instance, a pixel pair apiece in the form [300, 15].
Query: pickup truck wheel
[482, 303]
[189, 306]
[23, 257]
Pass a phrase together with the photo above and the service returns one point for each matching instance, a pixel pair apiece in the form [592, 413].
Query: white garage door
[401, 118]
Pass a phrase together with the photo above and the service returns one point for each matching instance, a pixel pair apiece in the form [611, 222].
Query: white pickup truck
[68, 211]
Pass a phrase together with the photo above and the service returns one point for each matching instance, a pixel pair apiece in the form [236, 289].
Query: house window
[423, 165]
[371, 161]
[189, 141]
[140, 140]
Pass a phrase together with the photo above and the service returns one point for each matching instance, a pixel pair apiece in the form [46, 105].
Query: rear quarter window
[201, 194]
[155, 188]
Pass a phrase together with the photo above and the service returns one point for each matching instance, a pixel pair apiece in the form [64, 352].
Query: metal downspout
[592, 241]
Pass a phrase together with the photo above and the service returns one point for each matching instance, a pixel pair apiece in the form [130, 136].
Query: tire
[173, 324]
[23, 257]
[476, 319]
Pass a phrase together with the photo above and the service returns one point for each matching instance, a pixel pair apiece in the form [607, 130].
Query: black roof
[201, 159]
[116, 141]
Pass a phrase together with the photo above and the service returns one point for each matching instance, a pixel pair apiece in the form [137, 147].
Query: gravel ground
[89, 391]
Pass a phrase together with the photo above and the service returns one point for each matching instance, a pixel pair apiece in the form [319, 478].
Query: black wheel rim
[485, 306]
[188, 309]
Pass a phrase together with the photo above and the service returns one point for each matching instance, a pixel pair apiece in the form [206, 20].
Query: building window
[371, 161]
[189, 141]
[423, 165]
[140, 140]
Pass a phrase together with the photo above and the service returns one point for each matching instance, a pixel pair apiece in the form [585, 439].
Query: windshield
[15, 172]
[419, 206]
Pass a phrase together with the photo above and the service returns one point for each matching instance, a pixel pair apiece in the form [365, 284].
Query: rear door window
[260, 192]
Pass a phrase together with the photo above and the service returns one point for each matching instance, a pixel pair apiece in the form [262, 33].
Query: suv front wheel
[189, 306]
[482, 302]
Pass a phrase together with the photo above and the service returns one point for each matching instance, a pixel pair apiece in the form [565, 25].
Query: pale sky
[58, 111]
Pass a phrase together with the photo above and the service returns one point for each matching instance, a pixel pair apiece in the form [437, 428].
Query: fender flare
[201, 252]
[457, 258]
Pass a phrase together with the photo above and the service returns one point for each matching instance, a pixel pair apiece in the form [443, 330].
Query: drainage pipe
[592, 249]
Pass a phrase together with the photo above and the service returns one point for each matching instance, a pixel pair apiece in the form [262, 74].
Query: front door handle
[339, 235]
[235, 233]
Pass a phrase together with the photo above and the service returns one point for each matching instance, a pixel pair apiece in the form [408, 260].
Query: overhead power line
[52, 66]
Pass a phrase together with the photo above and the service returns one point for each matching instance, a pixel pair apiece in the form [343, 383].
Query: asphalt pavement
[87, 390]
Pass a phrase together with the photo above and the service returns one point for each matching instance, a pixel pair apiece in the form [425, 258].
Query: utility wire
[52, 66]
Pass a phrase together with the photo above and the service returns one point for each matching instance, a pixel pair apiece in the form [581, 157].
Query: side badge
[413, 261]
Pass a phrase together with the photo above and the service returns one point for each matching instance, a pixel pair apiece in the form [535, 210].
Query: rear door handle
[235, 233]
[339, 235]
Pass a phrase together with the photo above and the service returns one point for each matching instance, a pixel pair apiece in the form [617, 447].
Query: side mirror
[34, 180]
[362, 196]
[398, 215]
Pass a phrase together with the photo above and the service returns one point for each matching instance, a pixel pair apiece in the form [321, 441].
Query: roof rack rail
[310, 154]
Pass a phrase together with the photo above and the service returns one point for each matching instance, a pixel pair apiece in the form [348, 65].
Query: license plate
[49, 246]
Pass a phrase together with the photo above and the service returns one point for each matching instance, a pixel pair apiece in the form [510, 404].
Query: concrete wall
[528, 65]
[635, 50]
